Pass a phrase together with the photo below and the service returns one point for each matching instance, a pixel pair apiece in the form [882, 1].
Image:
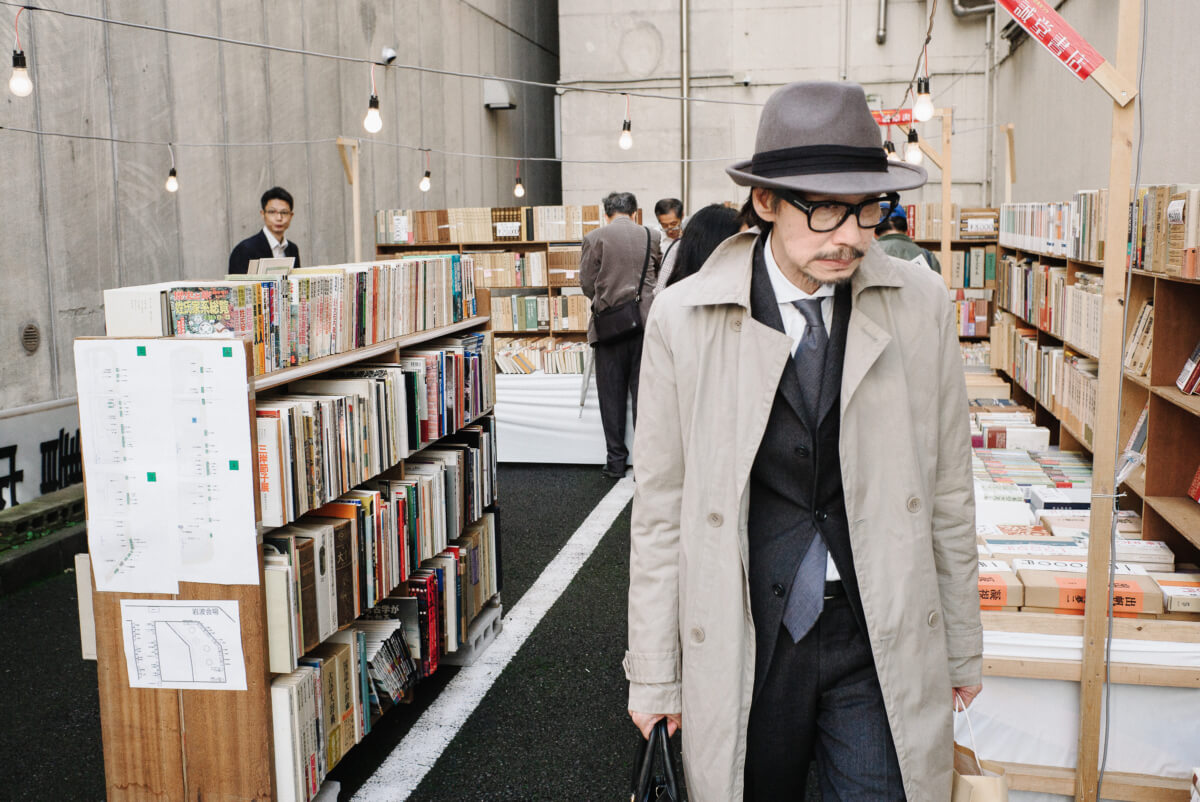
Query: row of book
[973, 268]
[558, 266]
[1163, 228]
[1065, 384]
[977, 354]
[529, 355]
[325, 435]
[335, 693]
[302, 314]
[972, 309]
[1039, 293]
[1138, 346]
[568, 223]
[568, 311]
[925, 221]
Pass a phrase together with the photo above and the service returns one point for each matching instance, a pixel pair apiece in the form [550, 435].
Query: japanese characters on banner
[893, 117]
[1044, 24]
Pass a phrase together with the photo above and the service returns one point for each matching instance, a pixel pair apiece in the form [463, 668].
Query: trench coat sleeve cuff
[660, 698]
[651, 668]
[964, 671]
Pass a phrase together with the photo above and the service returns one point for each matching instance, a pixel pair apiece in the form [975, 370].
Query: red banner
[1044, 24]
[893, 116]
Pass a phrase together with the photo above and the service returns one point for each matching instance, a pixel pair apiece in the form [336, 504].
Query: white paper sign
[508, 229]
[981, 225]
[400, 228]
[183, 644]
[1175, 211]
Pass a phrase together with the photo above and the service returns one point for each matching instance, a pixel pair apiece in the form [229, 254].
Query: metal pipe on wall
[881, 31]
[685, 134]
[961, 10]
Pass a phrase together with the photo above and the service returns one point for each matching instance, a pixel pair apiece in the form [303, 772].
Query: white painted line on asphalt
[413, 757]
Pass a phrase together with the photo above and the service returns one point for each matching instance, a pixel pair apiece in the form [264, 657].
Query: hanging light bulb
[890, 148]
[519, 189]
[425, 182]
[626, 140]
[912, 148]
[172, 177]
[373, 122]
[923, 109]
[19, 84]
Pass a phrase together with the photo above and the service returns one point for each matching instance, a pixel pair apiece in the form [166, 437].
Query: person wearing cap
[892, 236]
[803, 568]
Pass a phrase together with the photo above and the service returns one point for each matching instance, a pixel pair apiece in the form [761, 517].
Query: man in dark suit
[271, 242]
[619, 261]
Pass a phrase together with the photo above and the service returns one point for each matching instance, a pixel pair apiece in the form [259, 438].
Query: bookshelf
[973, 295]
[174, 742]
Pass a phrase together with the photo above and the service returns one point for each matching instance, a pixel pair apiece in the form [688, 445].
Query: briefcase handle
[654, 752]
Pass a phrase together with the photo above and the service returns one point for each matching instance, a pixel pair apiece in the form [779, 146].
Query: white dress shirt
[794, 325]
[277, 248]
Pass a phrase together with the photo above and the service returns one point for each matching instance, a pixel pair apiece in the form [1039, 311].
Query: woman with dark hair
[707, 229]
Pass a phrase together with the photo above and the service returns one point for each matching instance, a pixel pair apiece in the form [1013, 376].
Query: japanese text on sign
[893, 117]
[1044, 24]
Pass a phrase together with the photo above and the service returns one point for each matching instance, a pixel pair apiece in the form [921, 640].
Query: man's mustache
[841, 254]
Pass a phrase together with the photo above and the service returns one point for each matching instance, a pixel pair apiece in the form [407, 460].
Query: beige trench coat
[709, 376]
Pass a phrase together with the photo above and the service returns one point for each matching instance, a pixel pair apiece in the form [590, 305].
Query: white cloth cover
[537, 420]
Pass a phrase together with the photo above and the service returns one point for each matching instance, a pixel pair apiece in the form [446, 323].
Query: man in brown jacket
[619, 262]
[803, 569]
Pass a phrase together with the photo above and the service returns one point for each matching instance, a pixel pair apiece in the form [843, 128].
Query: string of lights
[366, 61]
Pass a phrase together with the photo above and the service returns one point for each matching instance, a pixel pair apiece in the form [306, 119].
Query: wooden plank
[1181, 513]
[1010, 176]
[1069, 670]
[141, 731]
[228, 745]
[1123, 628]
[1106, 429]
[1117, 785]
[1190, 403]
[1121, 89]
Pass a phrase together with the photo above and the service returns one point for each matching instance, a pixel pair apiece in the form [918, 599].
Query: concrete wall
[1063, 126]
[769, 43]
[81, 215]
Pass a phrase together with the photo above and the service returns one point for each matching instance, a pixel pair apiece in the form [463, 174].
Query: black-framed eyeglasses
[825, 216]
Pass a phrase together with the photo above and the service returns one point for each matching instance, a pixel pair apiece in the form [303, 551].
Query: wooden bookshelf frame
[170, 744]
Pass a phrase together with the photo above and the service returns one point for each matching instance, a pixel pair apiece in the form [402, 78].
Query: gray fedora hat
[820, 137]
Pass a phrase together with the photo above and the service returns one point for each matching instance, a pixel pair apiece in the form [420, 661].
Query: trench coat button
[802, 451]
[736, 324]
[697, 635]
[820, 515]
[914, 504]
[777, 589]
[715, 519]
[933, 619]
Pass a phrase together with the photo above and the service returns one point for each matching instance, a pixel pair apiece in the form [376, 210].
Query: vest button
[697, 635]
[820, 515]
[778, 590]
[736, 324]
[802, 451]
[914, 504]
[933, 619]
[715, 519]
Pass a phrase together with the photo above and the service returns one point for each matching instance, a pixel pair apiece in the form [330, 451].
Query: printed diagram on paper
[183, 644]
[166, 447]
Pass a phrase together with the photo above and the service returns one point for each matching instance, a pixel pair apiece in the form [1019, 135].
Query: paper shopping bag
[977, 780]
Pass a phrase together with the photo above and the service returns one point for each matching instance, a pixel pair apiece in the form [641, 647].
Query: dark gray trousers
[617, 368]
[821, 699]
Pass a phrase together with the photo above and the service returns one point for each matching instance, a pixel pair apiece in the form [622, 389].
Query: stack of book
[509, 269]
[487, 224]
[520, 312]
[1138, 347]
[570, 311]
[564, 265]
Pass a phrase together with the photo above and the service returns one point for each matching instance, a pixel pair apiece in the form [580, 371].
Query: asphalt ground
[553, 726]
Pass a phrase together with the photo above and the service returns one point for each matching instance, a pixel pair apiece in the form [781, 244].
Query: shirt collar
[272, 241]
[785, 290]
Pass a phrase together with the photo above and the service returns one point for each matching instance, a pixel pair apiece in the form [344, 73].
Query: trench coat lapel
[866, 339]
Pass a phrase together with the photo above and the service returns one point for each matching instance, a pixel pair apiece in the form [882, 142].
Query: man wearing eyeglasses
[803, 568]
[271, 242]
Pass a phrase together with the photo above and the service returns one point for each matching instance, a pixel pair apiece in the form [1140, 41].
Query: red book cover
[1194, 490]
